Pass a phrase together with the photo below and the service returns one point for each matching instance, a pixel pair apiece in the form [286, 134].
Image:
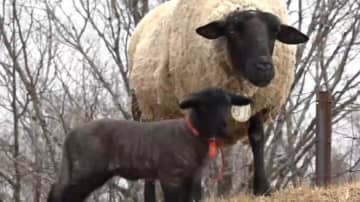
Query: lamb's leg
[77, 187]
[149, 191]
[257, 142]
[192, 190]
[173, 193]
[196, 190]
[79, 190]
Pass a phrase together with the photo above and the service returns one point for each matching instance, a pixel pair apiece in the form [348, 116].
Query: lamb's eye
[203, 109]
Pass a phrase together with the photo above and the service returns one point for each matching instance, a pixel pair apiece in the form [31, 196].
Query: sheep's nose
[264, 66]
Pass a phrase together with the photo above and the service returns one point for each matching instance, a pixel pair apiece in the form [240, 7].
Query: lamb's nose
[223, 129]
[224, 124]
[264, 66]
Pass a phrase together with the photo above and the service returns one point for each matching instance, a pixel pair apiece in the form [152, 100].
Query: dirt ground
[338, 193]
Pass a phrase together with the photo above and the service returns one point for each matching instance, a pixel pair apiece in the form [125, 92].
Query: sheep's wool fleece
[169, 60]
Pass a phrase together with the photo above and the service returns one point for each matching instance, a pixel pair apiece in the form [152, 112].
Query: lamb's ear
[290, 35]
[239, 100]
[212, 30]
[191, 102]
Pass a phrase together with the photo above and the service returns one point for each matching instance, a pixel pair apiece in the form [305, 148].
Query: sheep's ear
[290, 35]
[239, 100]
[212, 30]
[191, 102]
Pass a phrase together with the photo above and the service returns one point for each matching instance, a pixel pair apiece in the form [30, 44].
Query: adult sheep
[169, 60]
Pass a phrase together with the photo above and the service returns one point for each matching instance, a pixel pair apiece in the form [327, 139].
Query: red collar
[214, 145]
[191, 127]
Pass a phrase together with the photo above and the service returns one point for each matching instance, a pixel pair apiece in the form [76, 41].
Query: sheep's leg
[53, 195]
[257, 142]
[149, 191]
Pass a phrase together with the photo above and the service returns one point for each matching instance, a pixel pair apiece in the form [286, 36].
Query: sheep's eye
[235, 29]
[239, 27]
[275, 29]
[231, 32]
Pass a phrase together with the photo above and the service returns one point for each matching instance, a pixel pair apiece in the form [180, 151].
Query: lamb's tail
[56, 190]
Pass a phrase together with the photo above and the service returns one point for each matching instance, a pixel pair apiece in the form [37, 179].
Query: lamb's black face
[211, 110]
[214, 119]
[250, 41]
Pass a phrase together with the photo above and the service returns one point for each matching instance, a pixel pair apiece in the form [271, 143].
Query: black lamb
[172, 151]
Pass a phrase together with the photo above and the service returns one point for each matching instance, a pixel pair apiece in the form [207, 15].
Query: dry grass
[339, 193]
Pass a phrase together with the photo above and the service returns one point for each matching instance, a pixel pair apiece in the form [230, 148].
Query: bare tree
[64, 63]
[56, 76]
[324, 64]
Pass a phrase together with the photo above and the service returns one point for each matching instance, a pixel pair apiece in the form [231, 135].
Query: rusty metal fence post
[323, 138]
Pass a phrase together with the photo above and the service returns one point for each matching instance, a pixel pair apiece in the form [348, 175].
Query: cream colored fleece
[169, 60]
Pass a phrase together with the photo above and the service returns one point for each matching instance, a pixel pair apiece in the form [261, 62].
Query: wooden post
[323, 138]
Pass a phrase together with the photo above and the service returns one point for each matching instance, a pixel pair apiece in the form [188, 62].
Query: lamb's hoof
[265, 190]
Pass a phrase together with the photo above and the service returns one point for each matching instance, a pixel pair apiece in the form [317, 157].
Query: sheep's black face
[210, 111]
[250, 38]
